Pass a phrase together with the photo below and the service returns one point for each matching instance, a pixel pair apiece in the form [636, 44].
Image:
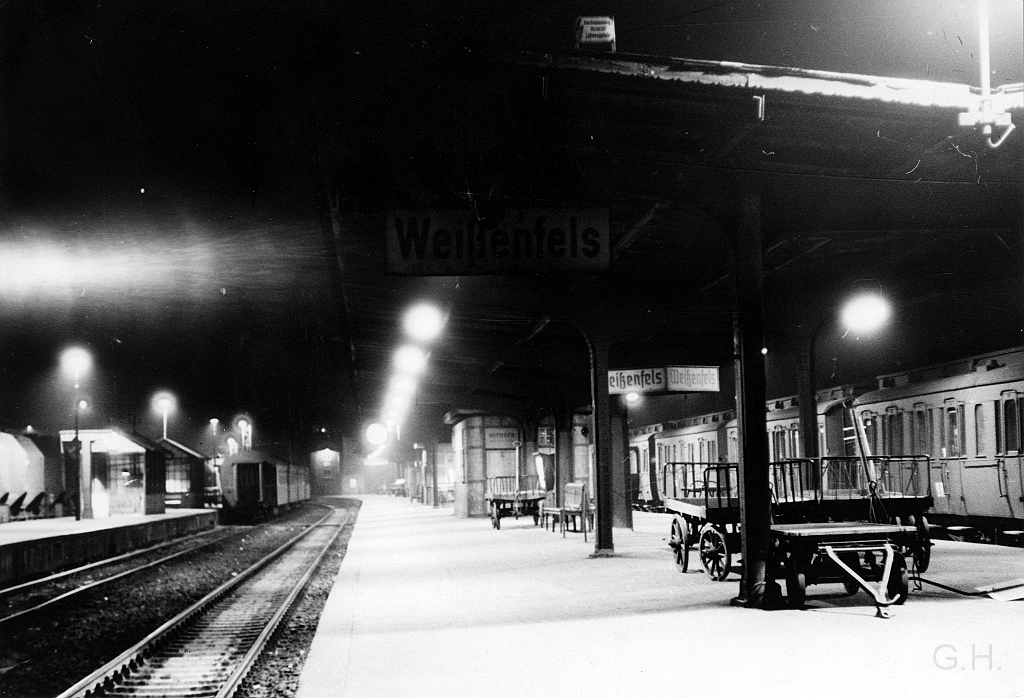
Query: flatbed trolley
[514, 496]
[880, 489]
[868, 556]
[704, 501]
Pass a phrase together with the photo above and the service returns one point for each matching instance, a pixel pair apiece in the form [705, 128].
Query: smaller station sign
[637, 380]
[501, 437]
[675, 379]
[693, 379]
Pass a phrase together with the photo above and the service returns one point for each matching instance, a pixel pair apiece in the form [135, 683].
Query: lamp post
[85, 511]
[862, 314]
[165, 407]
[164, 403]
[77, 361]
[245, 431]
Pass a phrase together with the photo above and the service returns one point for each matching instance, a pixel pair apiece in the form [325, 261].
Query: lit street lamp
[245, 430]
[423, 322]
[164, 403]
[863, 314]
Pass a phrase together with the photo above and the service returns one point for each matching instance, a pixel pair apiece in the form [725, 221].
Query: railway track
[36, 595]
[209, 648]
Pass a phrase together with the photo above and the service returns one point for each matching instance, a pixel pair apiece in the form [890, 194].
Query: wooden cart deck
[514, 496]
[857, 554]
[832, 531]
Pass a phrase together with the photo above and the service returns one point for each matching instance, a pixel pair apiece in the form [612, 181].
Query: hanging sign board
[693, 379]
[595, 30]
[637, 380]
[679, 379]
[454, 242]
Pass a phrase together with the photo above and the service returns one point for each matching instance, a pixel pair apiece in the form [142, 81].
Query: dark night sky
[158, 174]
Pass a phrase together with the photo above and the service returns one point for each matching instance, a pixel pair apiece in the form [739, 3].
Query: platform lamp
[164, 403]
[245, 431]
[864, 313]
[76, 361]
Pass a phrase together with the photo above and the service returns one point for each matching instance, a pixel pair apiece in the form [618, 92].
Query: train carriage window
[998, 424]
[961, 414]
[870, 432]
[794, 442]
[919, 431]
[712, 452]
[954, 430]
[703, 454]
[1011, 424]
[892, 433]
[981, 437]
[938, 432]
[778, 444]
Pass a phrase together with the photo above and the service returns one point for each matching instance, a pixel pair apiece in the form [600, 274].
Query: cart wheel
[683, 550]
[899, 582]
[796, 584]
[675, 535]
[714, 553]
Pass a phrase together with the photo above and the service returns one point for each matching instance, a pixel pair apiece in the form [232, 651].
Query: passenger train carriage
[967, 416]
[948, 435]
[256, 486]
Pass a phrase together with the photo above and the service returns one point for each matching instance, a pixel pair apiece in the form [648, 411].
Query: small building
[326, 470]
[187, 476]
[126, 472]
[483, 446]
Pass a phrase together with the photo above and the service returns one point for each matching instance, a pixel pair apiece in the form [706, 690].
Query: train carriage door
[247, 484]
[652, 470]
[268, 484]
[1008, 435]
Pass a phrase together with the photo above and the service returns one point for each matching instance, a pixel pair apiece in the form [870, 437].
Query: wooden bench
[575, 506]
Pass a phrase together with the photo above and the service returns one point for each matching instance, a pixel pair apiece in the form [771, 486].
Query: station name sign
[455, 242]
[636, 380]
[685, 379]
[693, 379]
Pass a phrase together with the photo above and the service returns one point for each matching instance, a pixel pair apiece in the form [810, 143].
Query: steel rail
[249, 660]
[132, 659]
[89, 586]
[100, 563]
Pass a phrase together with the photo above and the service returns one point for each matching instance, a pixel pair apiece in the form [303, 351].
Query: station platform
[428, 604]
[37, 547]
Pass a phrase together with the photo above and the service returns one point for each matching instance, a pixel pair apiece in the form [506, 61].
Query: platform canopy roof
[860, 181]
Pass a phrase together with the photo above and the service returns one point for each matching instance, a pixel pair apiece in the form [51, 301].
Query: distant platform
[38, 547]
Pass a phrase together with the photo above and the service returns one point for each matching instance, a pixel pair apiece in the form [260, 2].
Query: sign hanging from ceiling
[693, 379]
[684, 379]
[636, 380]
[454, 242]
